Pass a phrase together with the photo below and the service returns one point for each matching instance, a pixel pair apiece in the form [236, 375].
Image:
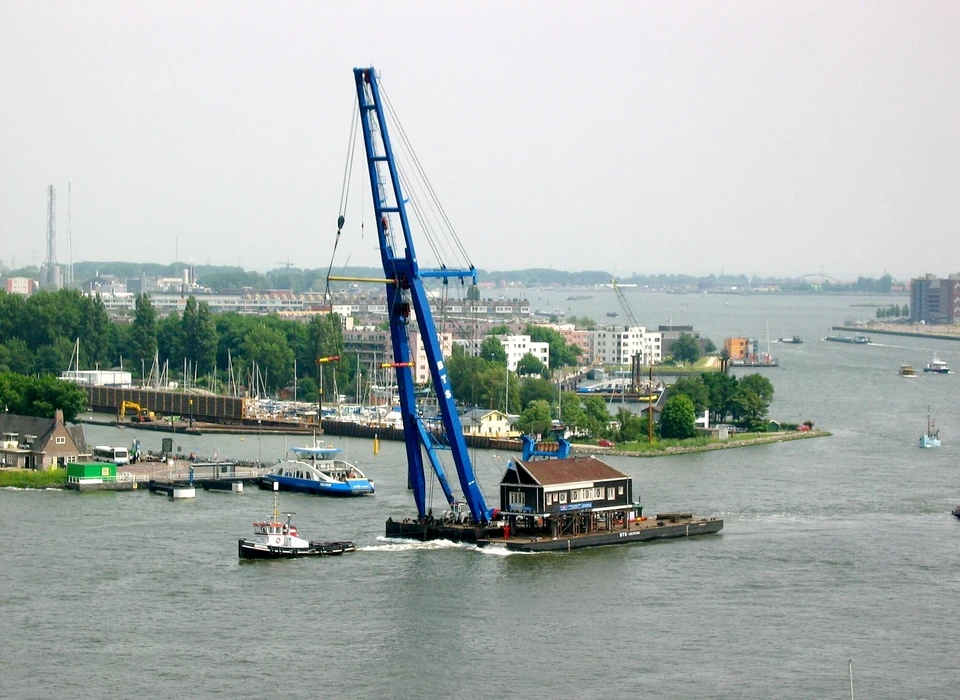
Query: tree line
[745, 401]
[39, 335]
[893, 311]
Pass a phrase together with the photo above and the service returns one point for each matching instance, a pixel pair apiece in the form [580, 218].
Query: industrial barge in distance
[553, 503]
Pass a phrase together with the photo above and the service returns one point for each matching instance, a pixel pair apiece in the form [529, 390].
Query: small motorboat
[937, 366]
[317, 471]
[907, 371]
[280, 540]
[956, 511]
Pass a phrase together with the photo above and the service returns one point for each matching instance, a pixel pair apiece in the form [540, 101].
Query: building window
[516, 499]
[563, 497]
[611, 494]
[549, 499]
[61, 441]
[619, 490]
[598, 492]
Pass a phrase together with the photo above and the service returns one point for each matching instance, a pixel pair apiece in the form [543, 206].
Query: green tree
[53, 359]
[535, 418]
[536, 389]
[752, 400]
[143, 332]
[473, 293]
[493, 350]
[325, 339]
[464, 372]
[12, 309]
[631, 426]
[170, 341]
[695, 389]
[16, 357]
[722, 388]
[529, 366]
[678, 418]
[95, 333]
[198, 334]
[571, 411]
[686, 349]
[597, 417]
[267, 348]
[561, 354]
[41, 396]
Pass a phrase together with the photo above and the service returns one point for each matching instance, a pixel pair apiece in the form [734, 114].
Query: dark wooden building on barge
[566, 496]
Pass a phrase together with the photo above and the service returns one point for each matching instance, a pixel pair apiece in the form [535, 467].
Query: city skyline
[773, 140]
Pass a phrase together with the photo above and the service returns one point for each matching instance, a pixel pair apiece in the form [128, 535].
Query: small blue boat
[316, 470]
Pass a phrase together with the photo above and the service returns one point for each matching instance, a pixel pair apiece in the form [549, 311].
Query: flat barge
[539, 537]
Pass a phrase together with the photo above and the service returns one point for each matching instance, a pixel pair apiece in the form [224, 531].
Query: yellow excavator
[141, 415]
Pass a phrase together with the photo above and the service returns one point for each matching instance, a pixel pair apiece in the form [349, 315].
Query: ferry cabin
[572, 496]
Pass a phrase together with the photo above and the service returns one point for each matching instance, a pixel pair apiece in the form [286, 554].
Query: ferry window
[563, 497]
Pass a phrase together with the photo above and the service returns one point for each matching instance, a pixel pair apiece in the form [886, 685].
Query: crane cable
[344, 190]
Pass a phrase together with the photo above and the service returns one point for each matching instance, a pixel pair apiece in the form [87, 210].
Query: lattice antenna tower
[50, 276]
[69, 236]
[51, 227]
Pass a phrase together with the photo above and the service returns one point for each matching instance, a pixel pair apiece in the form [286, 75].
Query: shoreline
[761, 439]
[940, 332]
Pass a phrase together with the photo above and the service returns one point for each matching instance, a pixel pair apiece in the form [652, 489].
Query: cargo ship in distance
[856, 340]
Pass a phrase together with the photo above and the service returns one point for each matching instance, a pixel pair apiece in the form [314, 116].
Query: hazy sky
[770, 138]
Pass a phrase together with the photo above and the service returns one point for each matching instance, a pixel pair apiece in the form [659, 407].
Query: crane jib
[407, 296]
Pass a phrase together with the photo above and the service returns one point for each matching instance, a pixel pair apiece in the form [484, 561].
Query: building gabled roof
[41, 429]
[23, 426]
[550, 472]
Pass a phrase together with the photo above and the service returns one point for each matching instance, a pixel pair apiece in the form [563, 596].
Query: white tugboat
[280, 540]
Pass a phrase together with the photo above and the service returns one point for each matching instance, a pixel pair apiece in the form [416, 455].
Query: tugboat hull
[254, 550]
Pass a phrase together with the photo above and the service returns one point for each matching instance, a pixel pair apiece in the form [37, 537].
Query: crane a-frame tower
[405, 296]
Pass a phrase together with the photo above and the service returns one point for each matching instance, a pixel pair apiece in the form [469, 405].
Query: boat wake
[394, 544]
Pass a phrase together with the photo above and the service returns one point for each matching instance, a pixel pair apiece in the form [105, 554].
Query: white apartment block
[516, 346]
[617, 345]
[421, 368]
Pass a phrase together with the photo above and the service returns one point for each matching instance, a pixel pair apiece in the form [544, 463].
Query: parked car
[603, 442]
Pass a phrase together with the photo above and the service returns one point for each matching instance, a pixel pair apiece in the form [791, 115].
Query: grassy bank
[702, 444]
[31, 479]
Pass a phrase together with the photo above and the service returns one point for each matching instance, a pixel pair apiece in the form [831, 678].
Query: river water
[835, 549]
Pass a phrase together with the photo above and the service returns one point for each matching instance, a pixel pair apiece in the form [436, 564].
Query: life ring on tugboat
[278, 540]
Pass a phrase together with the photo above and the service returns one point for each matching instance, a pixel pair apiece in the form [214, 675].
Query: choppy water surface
[834, 549]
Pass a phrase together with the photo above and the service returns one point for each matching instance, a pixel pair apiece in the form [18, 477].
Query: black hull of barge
[425, 531]
[691, 528]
